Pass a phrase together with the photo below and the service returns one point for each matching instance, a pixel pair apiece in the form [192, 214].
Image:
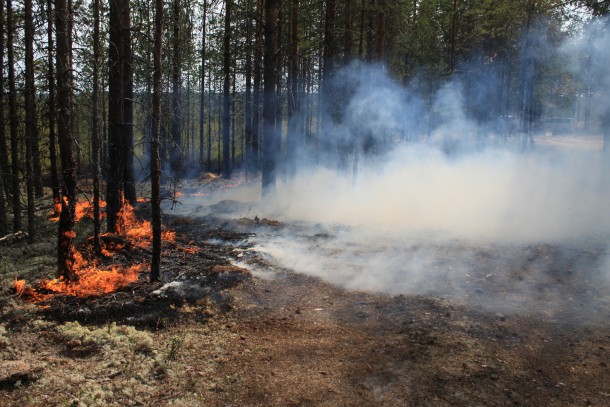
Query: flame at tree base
[95, 279]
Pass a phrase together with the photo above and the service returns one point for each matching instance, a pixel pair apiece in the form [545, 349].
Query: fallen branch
[13, 238]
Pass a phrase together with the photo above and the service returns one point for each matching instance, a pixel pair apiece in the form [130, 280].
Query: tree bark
[202, 90]
[256, 96]
[52, 115]
[176, 127]
[65, 254]
[348, 34]
[129, 186]
[5, 169]
[226, 112]
[95, 134]
[116, 89]
[155, 272]
[270, 143]
[293, 138]
[248, 96]
[13, 118]
[31, 136]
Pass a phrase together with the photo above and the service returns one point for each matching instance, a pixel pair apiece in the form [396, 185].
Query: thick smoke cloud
[435, 202]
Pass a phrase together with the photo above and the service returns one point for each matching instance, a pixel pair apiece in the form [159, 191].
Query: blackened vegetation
[198, 279]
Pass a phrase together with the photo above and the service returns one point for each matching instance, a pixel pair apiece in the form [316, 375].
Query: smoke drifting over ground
[452, 208]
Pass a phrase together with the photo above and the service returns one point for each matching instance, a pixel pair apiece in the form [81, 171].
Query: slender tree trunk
[65, 254]
[226, 115]
[202, 96]
[293, 138]
[176, 128]
[95, 134]
[155, 272]
[3, 221]
[453, 38]
[258, 39]
[31, 137]
[382, 5]
[209, 152]
[13, 118]
[233, 115]
[348, 35]
[5, 169]
[4, 166]
[270, 144]
[116, 89]
[52, 115]
[248, 102]
[129, 186]
[361, 34]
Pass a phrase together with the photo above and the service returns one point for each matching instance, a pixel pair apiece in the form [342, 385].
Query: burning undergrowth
[115, 286]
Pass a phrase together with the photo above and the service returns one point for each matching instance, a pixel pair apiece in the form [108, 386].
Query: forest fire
[94, 278]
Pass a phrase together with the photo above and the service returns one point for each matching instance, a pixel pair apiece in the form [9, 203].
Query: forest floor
[215, 334]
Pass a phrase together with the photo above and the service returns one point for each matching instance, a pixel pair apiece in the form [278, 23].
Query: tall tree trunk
[3, 221]
[453, 38]
[226, 112]
[209, 146]
[293, 138]
[13, 118]
[4, 166]
[5, 169]
[348, 38]
[155, 201]
[202, 90]
[31, 136]
[248, 102]
[52, 115]
[361, 33]
[176, 128]
[256, 103]
[65, 254]
[129, 186]
[382, 5]
[270, 144]
[116, 89]
[95, 134]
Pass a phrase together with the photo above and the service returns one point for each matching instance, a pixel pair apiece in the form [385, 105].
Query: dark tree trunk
[202, 96]
[3, 221]
[13, 118]
[176, 127]
[454, 17]
[361, 34]
[95, 134]
[155, 201]
[31, 136]
[116, 88]
[209, 152]
[256, 103]
[270, 143]
[65, 254]
[248, 102]
[293, 138]
[129, 186]
[5, 169]
[348, 34]
[226, 105]
[52, 116]
[380, 51]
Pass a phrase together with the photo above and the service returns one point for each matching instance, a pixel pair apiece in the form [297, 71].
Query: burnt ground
[212, 334]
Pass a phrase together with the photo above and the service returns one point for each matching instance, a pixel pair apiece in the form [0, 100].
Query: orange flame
[94, 279]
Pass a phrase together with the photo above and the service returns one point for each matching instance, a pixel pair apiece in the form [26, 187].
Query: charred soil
[213, 334]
